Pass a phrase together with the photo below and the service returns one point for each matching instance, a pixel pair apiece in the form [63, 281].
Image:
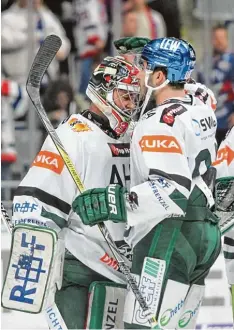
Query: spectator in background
[15, 38]
[169, 9]
[222, 80]
[129, 27]
[8, 151]
[149, 23]
[57, 99]
[90, 34]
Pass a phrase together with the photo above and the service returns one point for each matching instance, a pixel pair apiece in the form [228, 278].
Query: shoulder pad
[169, 114]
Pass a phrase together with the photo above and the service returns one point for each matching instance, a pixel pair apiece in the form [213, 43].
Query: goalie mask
[115, 89]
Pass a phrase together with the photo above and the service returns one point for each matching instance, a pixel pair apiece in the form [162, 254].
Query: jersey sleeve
[45, 195]
[160, 172]
[224, 162]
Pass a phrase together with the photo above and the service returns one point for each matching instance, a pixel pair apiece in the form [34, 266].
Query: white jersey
[224, 164]
[172, 146]
[45, 195]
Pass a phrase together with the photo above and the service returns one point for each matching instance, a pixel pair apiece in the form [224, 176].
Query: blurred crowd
[87, 29]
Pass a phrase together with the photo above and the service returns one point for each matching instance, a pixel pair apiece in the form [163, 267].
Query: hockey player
[224, 164]
[174, 235]
[98, 144]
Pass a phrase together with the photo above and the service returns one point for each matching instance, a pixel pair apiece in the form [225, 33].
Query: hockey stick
[225, 205]
[56, 321]
[41, 62]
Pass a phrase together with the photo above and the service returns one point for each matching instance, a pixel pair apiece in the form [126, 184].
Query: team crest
[78, 126]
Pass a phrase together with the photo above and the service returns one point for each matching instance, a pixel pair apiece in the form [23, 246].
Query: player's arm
[41, 208]
[12, 37]
[224, 162]
[45, 195]
[160, 155]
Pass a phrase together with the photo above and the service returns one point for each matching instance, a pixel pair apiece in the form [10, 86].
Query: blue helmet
[176, 55]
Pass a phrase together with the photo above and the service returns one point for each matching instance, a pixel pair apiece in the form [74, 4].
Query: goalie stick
[40, 64]
[51, 310]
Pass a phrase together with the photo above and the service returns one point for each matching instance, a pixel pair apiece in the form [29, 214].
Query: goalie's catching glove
[101, 204]
[130, 44]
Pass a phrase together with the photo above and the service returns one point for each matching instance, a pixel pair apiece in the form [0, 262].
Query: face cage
[132, 94]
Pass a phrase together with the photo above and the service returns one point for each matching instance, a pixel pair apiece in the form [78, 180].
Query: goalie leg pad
[150, 285]
[106, 306]
[189, 313]
[27, 282]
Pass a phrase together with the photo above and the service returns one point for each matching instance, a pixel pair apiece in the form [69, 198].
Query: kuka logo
[109, 261]
[49, 160]
[160, 143]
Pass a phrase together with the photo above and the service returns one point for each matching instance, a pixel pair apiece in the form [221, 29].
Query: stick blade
[44, 56]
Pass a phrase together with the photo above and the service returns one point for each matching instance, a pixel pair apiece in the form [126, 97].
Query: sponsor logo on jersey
[224, 154]
[169, 114]
[24, 207]
[28, 221]
[120, 150]
[106, 259]
[163, 182]
[196, 126]
[78, 126]
[169, 313]
[208, 123]
[158, 195]
[50, 161]
[160, 143]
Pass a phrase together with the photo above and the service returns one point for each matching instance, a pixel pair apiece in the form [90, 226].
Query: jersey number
[203, 156]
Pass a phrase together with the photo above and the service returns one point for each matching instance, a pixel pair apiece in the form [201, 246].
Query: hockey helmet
[176, 55]
[114, 88]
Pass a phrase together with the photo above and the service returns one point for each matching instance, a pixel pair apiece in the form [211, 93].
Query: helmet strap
[150, 89]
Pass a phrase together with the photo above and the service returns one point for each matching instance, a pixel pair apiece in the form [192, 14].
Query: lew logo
[170, 44]
[160, 143]
[50, 161]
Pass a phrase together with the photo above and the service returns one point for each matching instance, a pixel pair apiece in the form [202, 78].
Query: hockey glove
[130, 44]
[101, 204]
